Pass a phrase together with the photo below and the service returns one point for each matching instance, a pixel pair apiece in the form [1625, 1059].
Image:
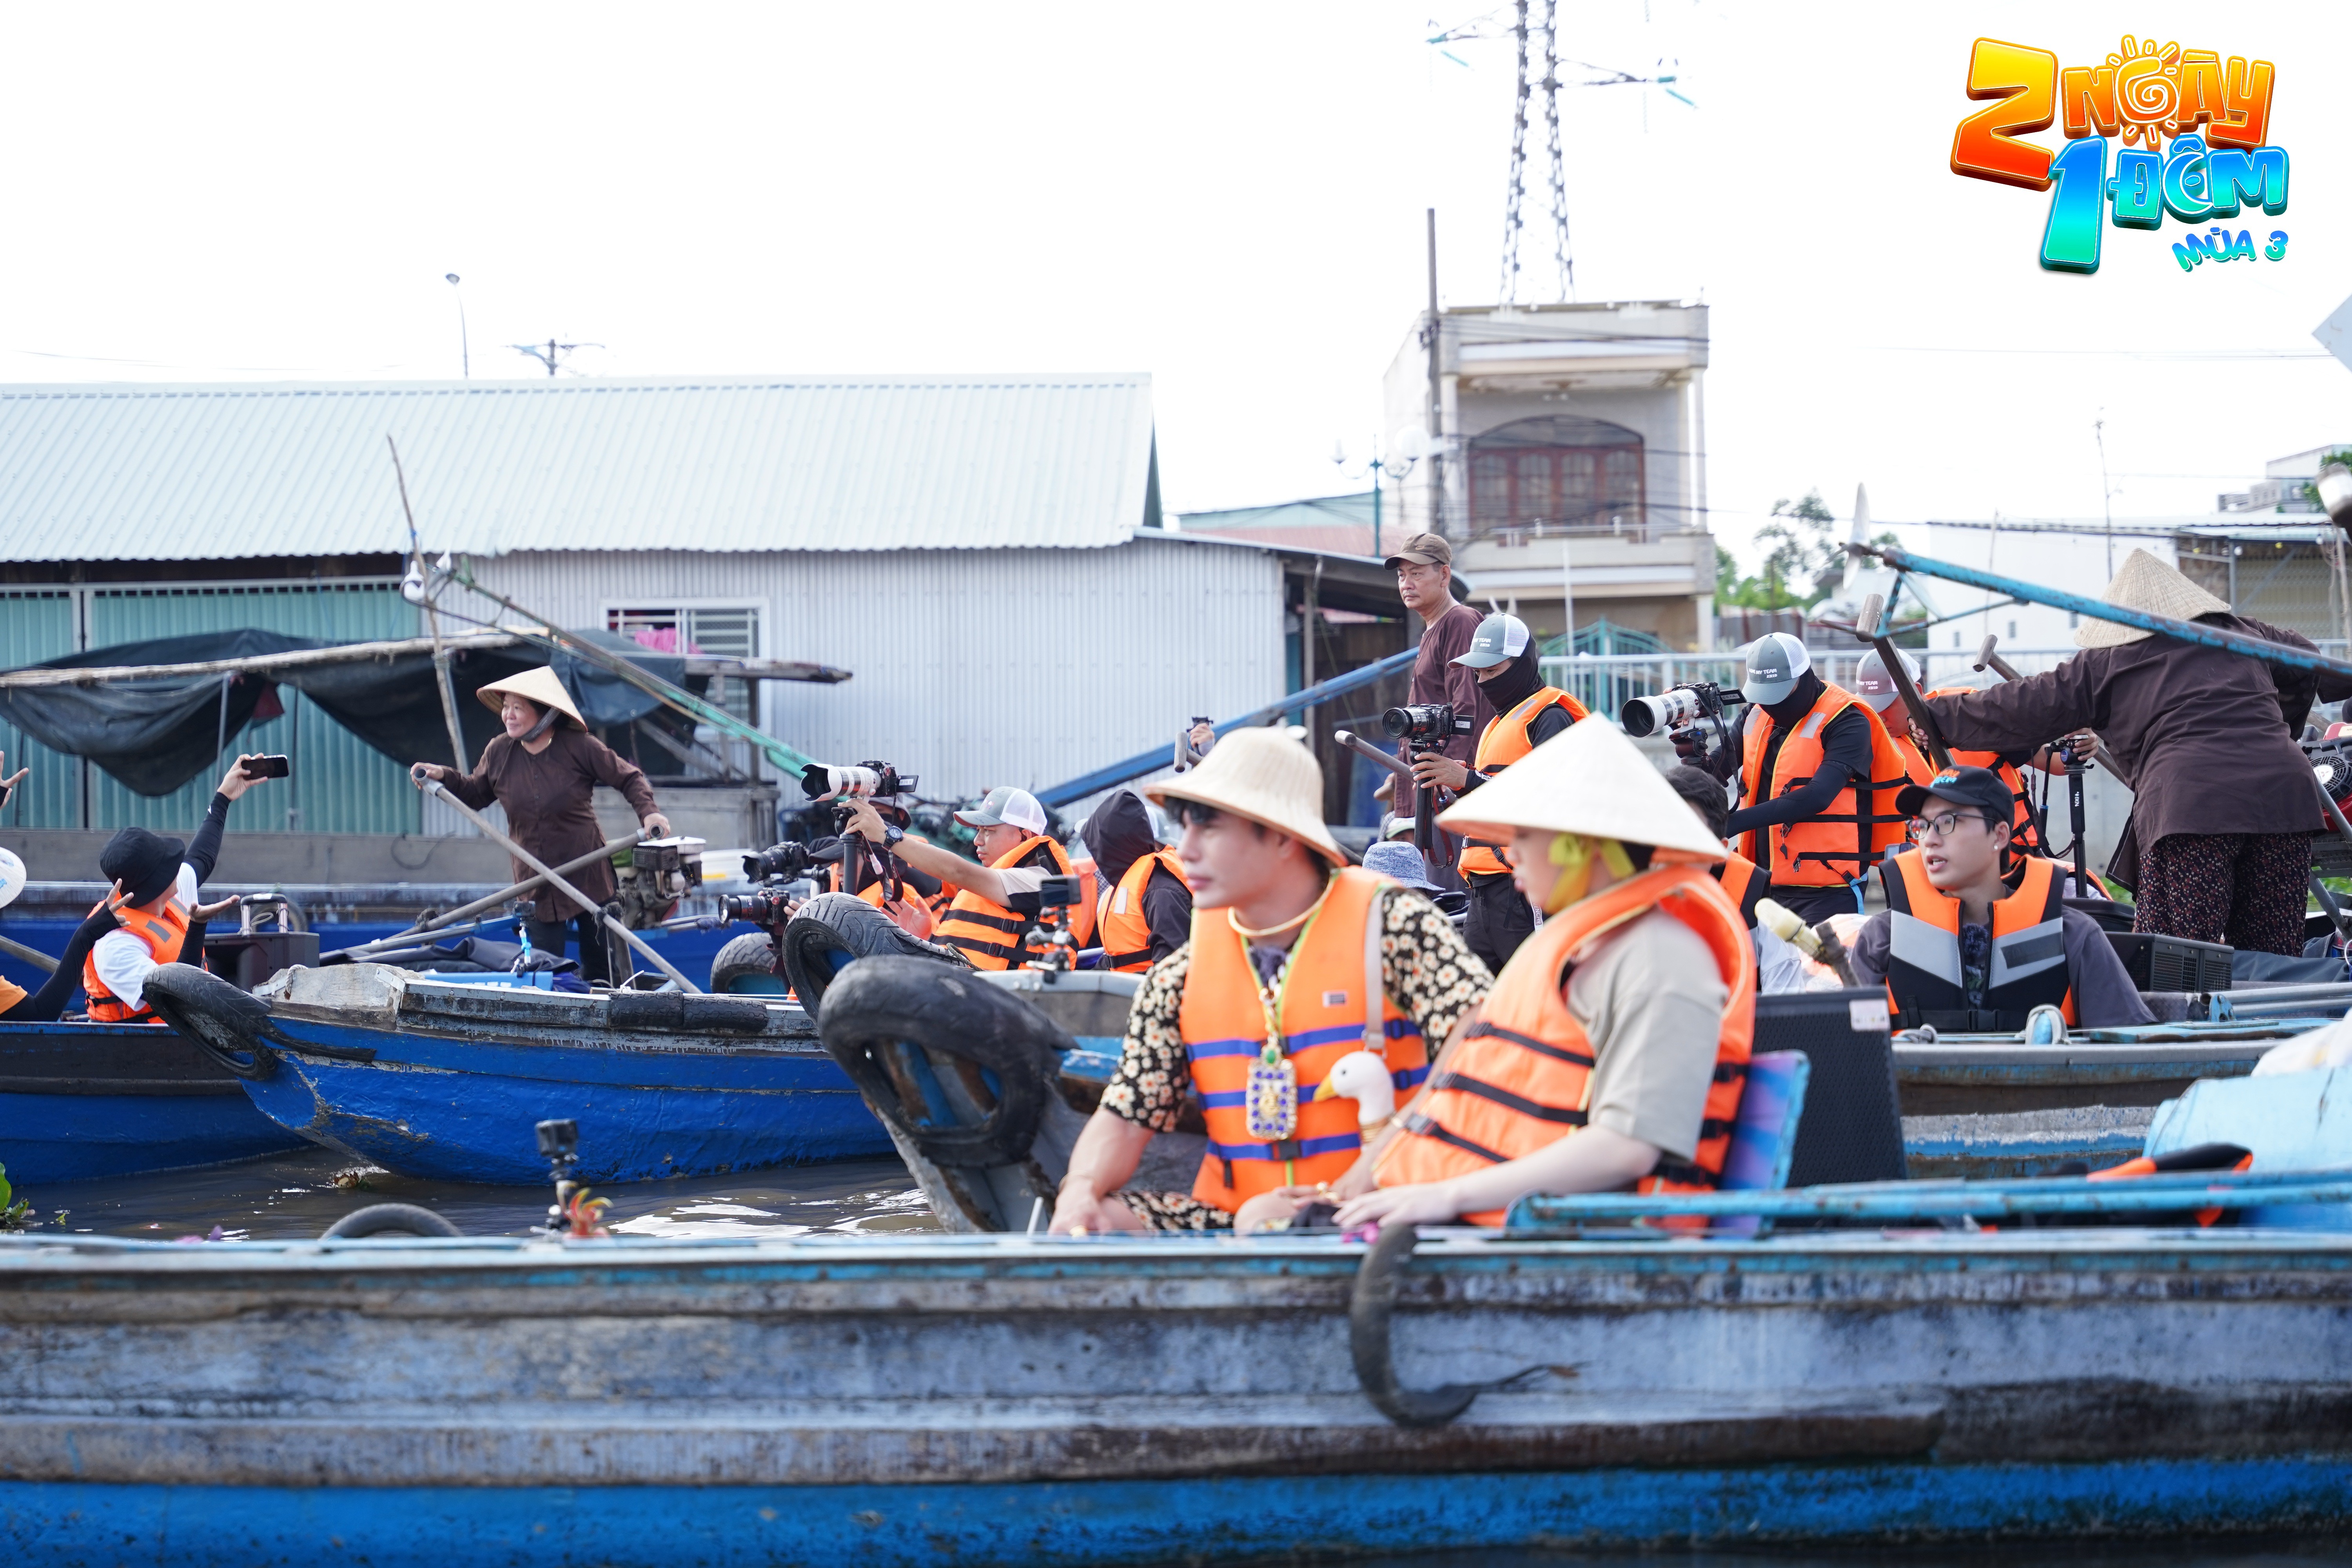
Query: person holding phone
[544, 770]
[153, 902]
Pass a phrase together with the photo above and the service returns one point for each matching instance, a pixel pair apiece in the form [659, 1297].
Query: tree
[1799, 549]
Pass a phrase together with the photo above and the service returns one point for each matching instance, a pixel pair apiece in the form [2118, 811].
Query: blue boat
[444, 1080]
[83, 1100]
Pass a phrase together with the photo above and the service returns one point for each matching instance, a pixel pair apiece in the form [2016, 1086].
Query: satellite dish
[1412, 441]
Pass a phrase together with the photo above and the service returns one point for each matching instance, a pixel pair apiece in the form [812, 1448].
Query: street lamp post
[465, 353]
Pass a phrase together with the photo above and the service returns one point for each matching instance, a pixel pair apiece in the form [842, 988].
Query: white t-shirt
[122, 960]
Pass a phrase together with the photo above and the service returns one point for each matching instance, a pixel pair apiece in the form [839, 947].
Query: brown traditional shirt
[1436, 679]
[547, 798]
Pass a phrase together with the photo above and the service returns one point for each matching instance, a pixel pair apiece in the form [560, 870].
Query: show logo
[2189, 128]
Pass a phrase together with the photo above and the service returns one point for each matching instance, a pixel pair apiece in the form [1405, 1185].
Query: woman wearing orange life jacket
[1613, 1049]
[1297, 960]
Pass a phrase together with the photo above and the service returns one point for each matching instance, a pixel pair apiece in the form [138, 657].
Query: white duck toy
[1363, 1077]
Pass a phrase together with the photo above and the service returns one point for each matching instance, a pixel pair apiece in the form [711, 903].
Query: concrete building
[984, 553]
[1570, 467]
[2281, 487]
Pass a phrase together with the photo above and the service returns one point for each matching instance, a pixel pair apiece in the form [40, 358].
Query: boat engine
[2332, 760]
[654, 877]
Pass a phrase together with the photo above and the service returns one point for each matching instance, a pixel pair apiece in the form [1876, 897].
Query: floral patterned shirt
[1426, 968]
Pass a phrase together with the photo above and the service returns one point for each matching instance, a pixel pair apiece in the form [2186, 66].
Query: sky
[1227, 195]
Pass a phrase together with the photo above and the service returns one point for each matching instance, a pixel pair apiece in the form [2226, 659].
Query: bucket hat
[2144, 582]
[146, 864]
[1401, 861]
[1590, 780]
[540, 687]
[1266, 777]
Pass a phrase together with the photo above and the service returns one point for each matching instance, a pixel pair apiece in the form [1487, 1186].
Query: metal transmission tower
[1515, 191]
[549, 353]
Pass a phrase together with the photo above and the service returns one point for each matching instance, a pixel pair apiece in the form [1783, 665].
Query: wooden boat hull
[446, 1081]
[79, 1101]
[1003, 1399]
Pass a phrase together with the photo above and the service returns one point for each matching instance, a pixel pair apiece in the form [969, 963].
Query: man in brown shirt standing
[1424, 573]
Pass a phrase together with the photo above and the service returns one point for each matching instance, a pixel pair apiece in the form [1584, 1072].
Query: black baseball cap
[1979, 788]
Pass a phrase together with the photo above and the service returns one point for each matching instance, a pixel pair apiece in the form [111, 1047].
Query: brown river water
[298, 1196]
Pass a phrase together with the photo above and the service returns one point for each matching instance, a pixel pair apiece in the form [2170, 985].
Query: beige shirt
[1649, 999]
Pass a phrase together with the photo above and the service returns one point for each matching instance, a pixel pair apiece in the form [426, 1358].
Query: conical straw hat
[541, 686]
[1265, 776]
[2146, 584]
[1593, 781]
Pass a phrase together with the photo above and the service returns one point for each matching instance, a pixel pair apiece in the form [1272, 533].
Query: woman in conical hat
[2219, 845]
[544, 770]
[1611, 1049]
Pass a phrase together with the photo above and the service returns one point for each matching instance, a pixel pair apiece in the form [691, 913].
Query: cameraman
[1424, 579]
[1818, 776]
[1502, 657]
[994, 902]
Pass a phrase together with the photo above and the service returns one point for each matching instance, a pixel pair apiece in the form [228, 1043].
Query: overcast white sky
[1229, 197]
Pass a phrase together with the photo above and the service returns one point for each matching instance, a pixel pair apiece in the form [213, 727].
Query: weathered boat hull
[446, 1081]
[1003, 1399]
[1976, 1076]
[79, 1101]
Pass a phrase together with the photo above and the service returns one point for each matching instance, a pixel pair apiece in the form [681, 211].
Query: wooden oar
[1866, 622]
[32, 955]
[611, 847]
[1987, 660]
[637, 944]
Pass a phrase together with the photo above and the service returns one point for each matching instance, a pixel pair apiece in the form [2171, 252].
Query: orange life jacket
[1917, 764]
[1125, 934]
[1744, 883]
[1322, 1011]
[988, 935]
[164, 932]
[912, 916]
[1841, 844]
[2028, 967]
[1522, 1077]
[1082, 913]
[1505, 741]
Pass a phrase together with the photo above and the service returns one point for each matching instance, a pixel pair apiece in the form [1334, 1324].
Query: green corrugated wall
[339, 784]
[36, 624]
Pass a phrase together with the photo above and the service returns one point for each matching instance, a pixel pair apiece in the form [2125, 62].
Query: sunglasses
[1192, 814]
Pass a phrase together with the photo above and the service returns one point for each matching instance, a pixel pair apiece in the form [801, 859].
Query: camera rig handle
[1873, 610]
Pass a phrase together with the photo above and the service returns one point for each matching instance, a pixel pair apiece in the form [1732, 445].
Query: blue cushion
[1764, 1134]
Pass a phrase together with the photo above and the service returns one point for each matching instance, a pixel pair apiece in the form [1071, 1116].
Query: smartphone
[267, 767]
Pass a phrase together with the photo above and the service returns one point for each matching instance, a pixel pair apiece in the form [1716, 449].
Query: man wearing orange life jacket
[1818, 776]
[997, 899]
[154, 899]
[1875, 687]
[1613, 1050]
[1527, 714]
[1957, 951]
[1296, 961]
[1144, 911]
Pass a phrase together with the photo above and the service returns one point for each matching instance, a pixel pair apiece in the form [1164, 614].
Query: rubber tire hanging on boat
[752, 956]
[1369, 1311]
[882, 1006]
[381, 1219]
[226, 1024]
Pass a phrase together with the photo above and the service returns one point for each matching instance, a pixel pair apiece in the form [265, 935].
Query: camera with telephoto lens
[1676, 708]
[1425, 725]
[768, 906]
[785, 862]
[868, 780]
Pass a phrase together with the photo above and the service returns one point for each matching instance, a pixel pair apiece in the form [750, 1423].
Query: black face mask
[1800, 701]
[1518, 680]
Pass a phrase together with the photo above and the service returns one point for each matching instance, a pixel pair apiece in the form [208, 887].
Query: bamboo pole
[432, 617]
[257, 664]
[556, 881]
[442, 921]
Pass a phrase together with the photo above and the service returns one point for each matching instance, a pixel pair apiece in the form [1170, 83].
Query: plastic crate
[2172, 962]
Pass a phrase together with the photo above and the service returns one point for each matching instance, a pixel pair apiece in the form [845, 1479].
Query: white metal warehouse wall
[973, 667]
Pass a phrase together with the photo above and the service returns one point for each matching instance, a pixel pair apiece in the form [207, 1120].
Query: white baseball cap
[1500, 639]
[1008, 807]
[1875, 685]
[1776, 661]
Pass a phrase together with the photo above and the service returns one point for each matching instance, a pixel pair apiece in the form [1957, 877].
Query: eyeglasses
[1944, 823]
[1192, 814]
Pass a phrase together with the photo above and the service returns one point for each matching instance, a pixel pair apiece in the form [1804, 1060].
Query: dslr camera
[785, 862]
[1677, 708]
[867, 781]
[1423, 725]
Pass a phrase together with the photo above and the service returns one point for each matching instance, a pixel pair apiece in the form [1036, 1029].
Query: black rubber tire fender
[752, 954]
[231, 1027]
[894, 999]
[389, 1219]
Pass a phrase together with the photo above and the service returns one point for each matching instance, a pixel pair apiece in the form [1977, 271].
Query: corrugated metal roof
[170, 473]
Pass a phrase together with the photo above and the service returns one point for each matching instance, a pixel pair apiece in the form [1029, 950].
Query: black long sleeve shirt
[1845, 756]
